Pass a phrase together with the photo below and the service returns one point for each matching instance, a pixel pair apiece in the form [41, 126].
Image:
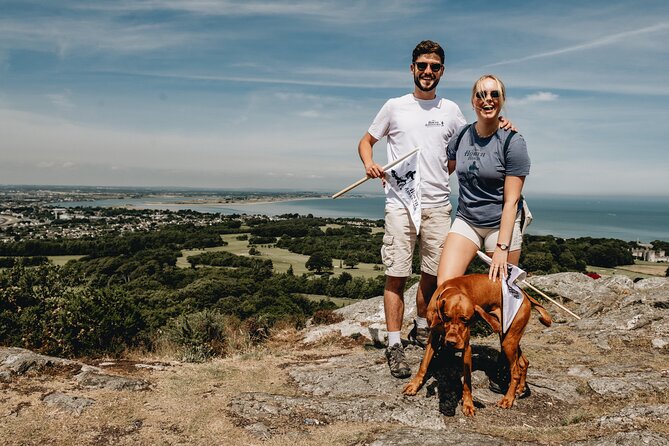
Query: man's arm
[365, 149]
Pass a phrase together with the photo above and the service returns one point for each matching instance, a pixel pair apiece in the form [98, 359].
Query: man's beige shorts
[400, 238]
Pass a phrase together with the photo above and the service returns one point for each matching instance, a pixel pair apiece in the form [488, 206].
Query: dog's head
[456, 312]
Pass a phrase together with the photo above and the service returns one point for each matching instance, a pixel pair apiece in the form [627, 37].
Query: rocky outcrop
[607, 373]
[18, 362]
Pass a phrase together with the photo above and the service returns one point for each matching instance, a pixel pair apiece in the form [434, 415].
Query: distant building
[646, 252]
[61, 214]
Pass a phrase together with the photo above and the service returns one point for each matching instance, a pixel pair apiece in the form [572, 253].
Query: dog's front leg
[417, 382]
[467, 401]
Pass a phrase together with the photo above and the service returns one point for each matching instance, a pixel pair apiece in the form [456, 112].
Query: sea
[641, 219]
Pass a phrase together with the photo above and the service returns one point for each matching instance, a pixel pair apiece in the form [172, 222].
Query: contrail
[595, 43]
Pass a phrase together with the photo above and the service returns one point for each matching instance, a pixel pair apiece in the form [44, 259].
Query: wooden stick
[363, 179]
[524, 282]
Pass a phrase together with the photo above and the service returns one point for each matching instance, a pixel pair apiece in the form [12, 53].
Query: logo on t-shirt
[433, 123]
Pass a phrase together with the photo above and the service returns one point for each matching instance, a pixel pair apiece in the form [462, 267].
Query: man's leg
[426, 288]
[393, 302]
[435, 223]
[393, 306]
[396, 254]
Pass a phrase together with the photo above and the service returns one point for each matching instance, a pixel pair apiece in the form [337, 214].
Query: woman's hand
[498, 268]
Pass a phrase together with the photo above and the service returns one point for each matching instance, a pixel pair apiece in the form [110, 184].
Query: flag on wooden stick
[403, 181]
[512, 296]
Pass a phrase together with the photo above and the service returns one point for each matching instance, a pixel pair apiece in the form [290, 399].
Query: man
[423, 120]
[426, 121]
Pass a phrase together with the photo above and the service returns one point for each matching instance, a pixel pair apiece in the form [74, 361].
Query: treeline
[339, 243]
[546, 254]
[187, 236]
[8, 262]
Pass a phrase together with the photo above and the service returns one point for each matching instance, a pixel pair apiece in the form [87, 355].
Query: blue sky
[276, 95]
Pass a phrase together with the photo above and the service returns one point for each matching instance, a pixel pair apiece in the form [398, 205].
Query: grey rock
[652, 283]
[93, 379]
[5, 376]
[157, 367]
[19, 361]
[632, 416]
[660, 343]
[629, 385]
[365, 318]
[632, 438]
[580, 371]
[259, 430]
[411, 437]
[72, 404]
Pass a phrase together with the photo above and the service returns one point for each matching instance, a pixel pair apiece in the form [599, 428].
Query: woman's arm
[513, 186]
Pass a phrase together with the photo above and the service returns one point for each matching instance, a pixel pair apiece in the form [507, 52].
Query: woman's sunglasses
[422, 66]
[484, 94]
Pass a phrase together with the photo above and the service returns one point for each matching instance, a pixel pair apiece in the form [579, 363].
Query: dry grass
[187, 403]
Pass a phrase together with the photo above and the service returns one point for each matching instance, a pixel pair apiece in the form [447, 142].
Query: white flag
[512, 296]
[404, 181]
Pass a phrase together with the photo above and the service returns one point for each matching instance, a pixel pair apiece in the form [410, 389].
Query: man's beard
[435, 82]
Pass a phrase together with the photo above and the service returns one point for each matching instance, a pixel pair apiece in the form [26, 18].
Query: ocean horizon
[642, 219]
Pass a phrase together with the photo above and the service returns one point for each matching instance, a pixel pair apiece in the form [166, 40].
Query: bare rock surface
[16, 363]
[365, 318]
[607, 374]
[69, 403]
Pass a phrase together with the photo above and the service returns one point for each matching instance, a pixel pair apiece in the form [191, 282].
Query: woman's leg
[514, 257]
[458, 252]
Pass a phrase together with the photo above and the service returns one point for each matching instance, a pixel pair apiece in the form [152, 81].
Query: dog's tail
[545, 318]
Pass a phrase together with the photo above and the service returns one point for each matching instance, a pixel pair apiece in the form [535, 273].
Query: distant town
[32, 212]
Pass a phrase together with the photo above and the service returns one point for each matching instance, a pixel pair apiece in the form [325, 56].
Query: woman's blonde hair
[478, 87]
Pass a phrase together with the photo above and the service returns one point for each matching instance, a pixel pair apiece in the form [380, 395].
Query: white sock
[421, 322]
[394, 338]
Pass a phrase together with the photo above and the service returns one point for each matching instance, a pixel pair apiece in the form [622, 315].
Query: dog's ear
[489, 318]
[434, 310]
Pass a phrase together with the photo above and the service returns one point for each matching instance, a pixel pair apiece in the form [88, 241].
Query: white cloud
[310, 114]
[541, 96]
[61, 101]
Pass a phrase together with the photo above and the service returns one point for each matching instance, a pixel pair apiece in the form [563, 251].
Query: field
[282, 259]
[62, 260]
[639, 269]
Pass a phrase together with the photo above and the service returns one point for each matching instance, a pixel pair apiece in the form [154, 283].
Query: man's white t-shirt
[410, 123]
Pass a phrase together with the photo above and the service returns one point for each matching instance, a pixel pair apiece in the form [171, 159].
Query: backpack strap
[507, 142]
[462, 133]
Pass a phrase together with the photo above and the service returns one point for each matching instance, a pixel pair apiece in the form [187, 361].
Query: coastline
[642, 220]
[237, 202]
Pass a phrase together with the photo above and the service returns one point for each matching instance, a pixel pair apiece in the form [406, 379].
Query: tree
[319, 262]
[351, 261]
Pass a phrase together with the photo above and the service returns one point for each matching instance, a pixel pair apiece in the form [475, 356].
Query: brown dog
[451, 312]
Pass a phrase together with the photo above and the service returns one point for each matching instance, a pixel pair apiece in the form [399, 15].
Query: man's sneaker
[419, 336]
[397, 361]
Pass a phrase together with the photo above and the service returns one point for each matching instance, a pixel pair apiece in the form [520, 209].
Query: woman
[491, 165]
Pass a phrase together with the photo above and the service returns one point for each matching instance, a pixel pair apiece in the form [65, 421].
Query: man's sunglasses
[484, 94]
[422, 66]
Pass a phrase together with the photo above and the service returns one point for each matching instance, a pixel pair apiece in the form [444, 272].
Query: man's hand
[506, 124]
[374, 171]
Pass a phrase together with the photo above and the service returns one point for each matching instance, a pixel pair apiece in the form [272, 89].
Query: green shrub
[197, 337]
